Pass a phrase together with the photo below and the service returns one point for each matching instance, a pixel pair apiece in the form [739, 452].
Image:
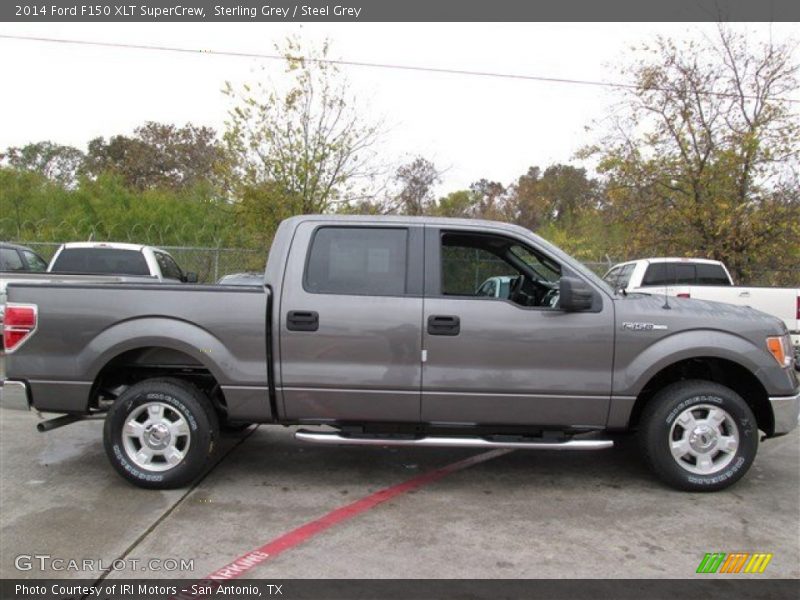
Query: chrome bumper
[786, 412]
[14, 394]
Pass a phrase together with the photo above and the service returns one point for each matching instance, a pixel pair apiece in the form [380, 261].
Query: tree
[160, 156]
[490, 200]
[415, 181]
[703, 138]
[559, 195]
[58, 163]
[461, 204]
[308, 142]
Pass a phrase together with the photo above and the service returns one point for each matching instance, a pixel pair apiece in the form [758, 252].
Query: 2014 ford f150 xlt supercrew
[377, 328]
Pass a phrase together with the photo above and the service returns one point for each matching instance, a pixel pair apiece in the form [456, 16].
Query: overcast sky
[474, 127]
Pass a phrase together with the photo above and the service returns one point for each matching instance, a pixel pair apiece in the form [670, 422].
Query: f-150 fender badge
[636, 326]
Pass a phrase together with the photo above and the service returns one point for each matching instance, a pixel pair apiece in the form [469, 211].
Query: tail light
[684, 295]
[798, 307]
[19, 323]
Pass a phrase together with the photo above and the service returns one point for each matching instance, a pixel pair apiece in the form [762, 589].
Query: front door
[350, 323]
[512, 356]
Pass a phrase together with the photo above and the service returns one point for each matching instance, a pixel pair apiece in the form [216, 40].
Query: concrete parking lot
[519, 515]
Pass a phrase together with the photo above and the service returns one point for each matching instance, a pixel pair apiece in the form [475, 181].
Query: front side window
[489, 266]
[35, 262]
[358, 261]
[169, 268]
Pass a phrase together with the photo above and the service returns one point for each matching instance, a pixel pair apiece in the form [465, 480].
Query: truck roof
[706, 261]
[112, 245]
[409, 220]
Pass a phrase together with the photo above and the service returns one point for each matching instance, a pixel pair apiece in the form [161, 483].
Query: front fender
[629, 379]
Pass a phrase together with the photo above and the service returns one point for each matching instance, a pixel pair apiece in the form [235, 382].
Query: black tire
[177, 399]
[659, 431]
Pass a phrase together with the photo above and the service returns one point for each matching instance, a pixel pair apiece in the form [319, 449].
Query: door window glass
[10, 260]
[475, 264]
[358, 260]
[35, 262]
[169, 268]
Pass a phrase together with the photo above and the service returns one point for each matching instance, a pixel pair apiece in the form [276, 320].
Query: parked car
[14, 257]
[706, 280]
[372, 326]
[106, 258]
[244, 278]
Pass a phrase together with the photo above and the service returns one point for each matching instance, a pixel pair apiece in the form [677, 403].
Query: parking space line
[297, 536]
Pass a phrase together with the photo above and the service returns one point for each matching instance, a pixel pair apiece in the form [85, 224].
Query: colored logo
[736, 562]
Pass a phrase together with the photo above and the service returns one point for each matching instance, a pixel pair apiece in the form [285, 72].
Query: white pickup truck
[89, 262]
[706, 280]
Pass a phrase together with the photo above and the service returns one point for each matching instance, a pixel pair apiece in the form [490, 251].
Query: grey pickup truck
[378, 329]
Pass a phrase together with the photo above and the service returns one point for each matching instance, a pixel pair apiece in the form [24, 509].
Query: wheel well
[718, 370]
[139, 364]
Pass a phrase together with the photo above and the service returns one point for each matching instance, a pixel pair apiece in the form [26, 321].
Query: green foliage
[160, 156]
[693, 158]
[305, 147]
[54, 161]
[35, 208]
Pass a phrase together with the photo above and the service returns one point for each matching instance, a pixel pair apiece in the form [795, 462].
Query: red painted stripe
[289, 540]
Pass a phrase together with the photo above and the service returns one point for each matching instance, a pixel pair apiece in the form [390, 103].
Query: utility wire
[372, 65]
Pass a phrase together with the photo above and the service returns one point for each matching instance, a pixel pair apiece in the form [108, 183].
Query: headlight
[780, 346]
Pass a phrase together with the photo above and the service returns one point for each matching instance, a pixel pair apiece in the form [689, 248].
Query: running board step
[317, 437]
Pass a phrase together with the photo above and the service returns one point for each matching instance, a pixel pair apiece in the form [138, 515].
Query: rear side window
[10, 260]
[358, 261]
[712, 275]
[102, 261]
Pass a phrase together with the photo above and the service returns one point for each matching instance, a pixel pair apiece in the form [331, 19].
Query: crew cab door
[350, 323]
[511, 360]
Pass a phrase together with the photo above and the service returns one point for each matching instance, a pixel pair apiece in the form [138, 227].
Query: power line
[372, 65]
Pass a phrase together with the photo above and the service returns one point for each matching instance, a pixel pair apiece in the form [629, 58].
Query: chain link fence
[212, 263]
[209, 263]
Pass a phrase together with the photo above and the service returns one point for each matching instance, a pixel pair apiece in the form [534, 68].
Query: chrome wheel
[156, 436]
[704, 439]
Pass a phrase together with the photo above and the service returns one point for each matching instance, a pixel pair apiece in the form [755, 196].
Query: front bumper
[786, 413]
[14, 394]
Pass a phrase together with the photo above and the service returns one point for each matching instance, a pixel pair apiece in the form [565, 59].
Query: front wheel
[698, 436]
[160, 433]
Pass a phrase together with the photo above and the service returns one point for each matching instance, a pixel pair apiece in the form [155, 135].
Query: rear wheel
[160, 433]
[698, 436]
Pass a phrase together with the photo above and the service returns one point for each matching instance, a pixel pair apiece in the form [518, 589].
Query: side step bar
[317, 437]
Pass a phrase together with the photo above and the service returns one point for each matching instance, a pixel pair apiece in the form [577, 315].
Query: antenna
[666, 282]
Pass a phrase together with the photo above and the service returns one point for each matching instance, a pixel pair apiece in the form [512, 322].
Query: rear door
[350, 323]
[515, 360]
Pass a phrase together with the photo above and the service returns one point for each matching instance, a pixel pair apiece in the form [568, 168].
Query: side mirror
[190, 277]
[574, 295]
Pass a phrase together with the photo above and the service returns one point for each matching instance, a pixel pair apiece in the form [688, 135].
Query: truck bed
[219, 328]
